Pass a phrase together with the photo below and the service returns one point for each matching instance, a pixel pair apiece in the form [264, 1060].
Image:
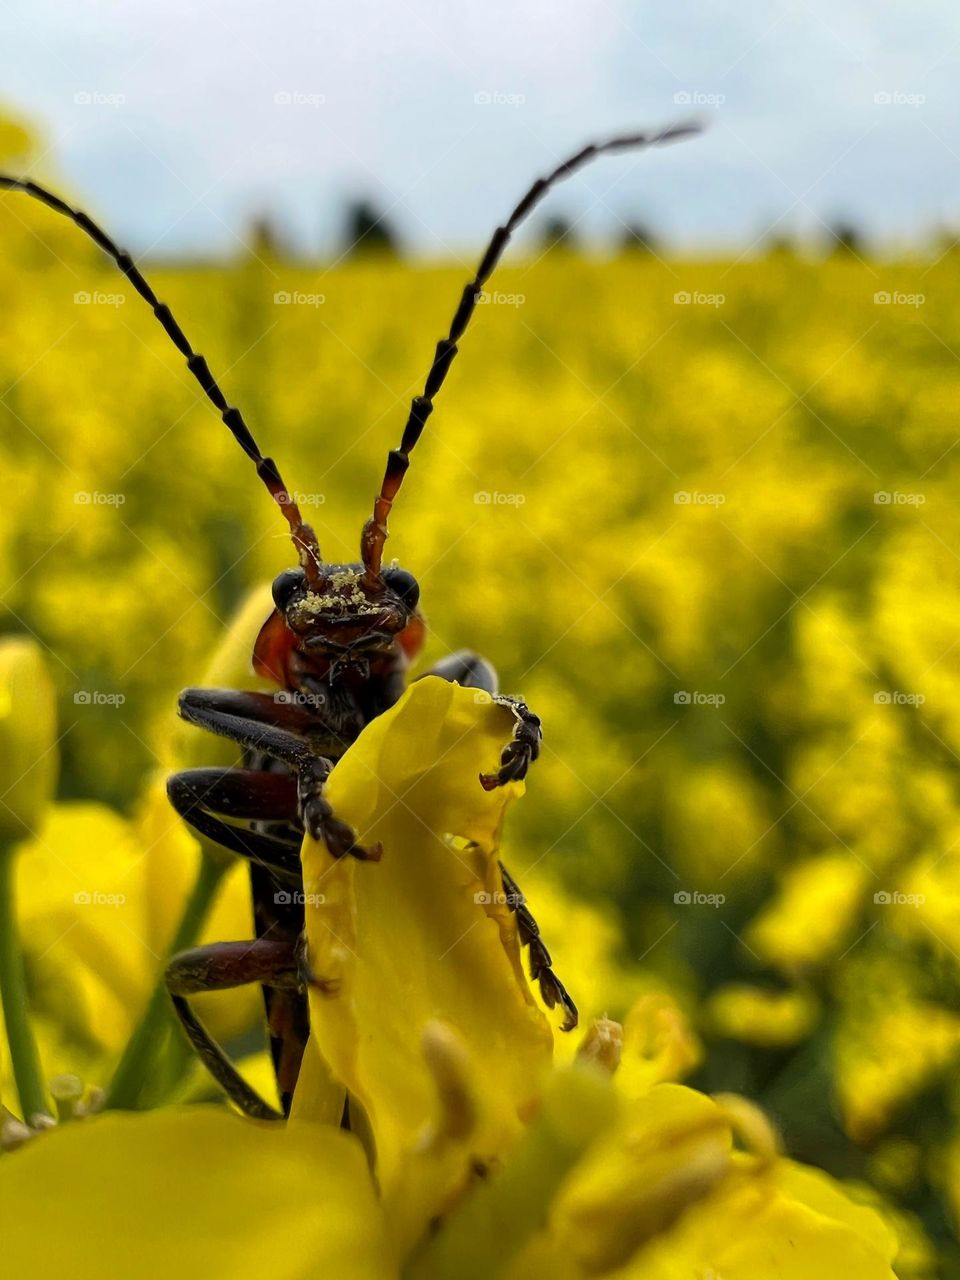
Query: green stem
[144, 1045]
[27, 1071]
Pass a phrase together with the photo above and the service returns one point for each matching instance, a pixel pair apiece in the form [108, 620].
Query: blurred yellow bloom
[891, 1043]
[99, 898]
[811, 918]
[28, 750]
[772, 1019]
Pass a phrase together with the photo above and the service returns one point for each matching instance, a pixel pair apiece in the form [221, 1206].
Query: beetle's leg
[256, 721]
[521, 750]
[287, 733]
[318, 818]
[218, 967]
[552, 990]
[474, 672]
[200, 795]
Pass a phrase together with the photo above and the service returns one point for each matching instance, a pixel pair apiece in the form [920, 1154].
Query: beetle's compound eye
[404, 585]
[287, 585]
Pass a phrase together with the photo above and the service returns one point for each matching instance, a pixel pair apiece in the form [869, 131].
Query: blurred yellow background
[660, 519]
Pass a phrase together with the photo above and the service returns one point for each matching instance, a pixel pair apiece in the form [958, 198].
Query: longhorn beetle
[338, 642]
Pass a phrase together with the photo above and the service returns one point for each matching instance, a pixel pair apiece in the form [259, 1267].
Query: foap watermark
[499, 899]
[898, 98]
[897, 698]
[296, 298]
[303, 499]
[696, 298]
[696, 698]
[694, 498]
[98, 299]
[286, 898]
[897, 298]
[98, 698]
[97, 98]
[894, 498]
[298, 98]
[894, 898]
[698, 98]
[95, 898]
[94, 498]
[298, 698]
[487, 298]
[486, 498]
[693, 898]
[497, 98]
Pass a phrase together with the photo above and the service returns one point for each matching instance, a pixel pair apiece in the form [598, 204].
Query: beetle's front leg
[218, 967]
[285, 733]
[521, 750]
[472, 671]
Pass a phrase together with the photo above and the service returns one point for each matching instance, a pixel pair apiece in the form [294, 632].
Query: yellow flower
[190, 1193]
[472, 1156]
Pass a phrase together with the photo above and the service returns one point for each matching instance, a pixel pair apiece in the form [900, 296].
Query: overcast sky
[176, 121]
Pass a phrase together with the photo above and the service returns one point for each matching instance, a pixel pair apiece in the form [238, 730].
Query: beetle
[338, 645]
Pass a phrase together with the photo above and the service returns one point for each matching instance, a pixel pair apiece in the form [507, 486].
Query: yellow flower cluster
[471, 1155]
[714, 545]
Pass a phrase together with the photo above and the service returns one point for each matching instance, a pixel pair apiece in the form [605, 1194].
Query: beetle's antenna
[375, 530]
[304, 538]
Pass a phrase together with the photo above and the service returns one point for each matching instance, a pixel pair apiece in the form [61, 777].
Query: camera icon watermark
[696, 298]
[693, 898]
[84, 298]
[485, 298]
[484, 898]
[297, 98]
[896, 698]
[697, 98]
[897, 298]
[695, 698]
[86, 498]
[88, 898]
[894, 898]
[495, 98]
[296, 298]
[894, 498]
[97, 98]
[898, 98]
[96, 698]
[694, 498]
[486, 498]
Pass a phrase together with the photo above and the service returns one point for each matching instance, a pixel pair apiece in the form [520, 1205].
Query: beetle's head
[343, 613]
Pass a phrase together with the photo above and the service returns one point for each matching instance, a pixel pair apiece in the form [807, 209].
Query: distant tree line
[368, 230]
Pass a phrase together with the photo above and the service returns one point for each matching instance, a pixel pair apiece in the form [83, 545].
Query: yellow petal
[790, 1224]
[193, 1193]
[669, 1148]
[658, 1046]
[424, 935]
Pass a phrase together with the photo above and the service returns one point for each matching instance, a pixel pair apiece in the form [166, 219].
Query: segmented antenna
[304, 538]
[398, 460]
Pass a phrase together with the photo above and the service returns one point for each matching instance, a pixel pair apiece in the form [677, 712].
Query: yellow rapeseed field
[703, 515]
